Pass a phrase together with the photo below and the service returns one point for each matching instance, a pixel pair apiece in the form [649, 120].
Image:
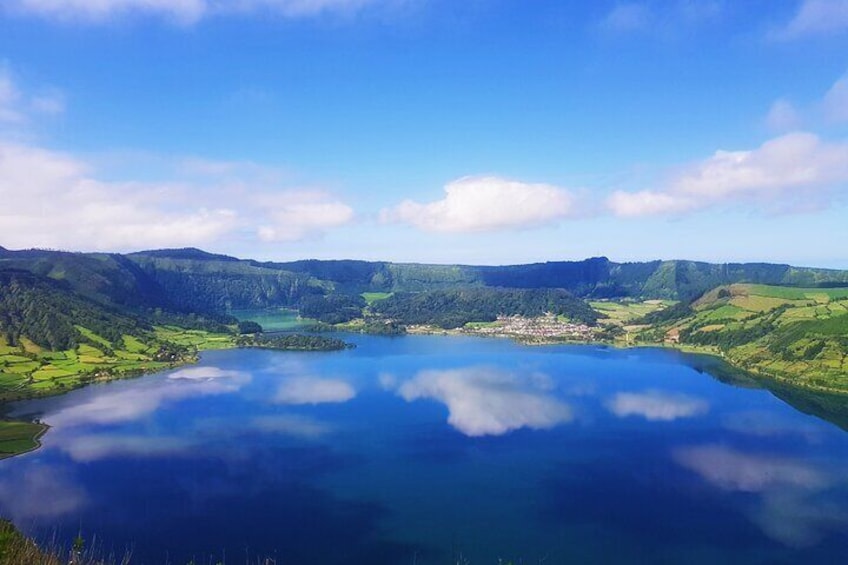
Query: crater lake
[438, 450]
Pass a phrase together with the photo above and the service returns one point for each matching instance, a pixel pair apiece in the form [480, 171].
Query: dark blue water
[436, 450]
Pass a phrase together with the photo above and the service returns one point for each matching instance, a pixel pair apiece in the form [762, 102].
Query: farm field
[27, 370]
[795, 335]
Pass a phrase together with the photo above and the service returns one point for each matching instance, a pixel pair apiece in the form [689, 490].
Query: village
[548, 328]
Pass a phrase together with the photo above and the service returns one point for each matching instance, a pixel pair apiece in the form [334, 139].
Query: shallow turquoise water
[427, 449]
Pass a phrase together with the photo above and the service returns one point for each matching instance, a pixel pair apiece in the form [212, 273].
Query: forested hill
[596, 277]
[50, 315]
[185, 281]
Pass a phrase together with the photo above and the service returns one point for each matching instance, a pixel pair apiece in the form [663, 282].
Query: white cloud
[54, 200]
[313, 390]
[666, 19]
[792, 168]
[656, 405]
[783, 116]
[50, 103]
[486, 203]
[17, 107]
[483, 401]
[295, 215]
[185, 11]
[9, 98]
[816, 17]
[632, 16]
[647, 203]
[51, 200]
[835, 103]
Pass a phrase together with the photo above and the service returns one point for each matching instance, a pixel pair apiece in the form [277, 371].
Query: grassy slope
[27, 370]
[798, 336]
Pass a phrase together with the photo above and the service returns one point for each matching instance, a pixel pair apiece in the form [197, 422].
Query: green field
[624, 312]
[28, 371]
[19, 437]
[372, 297]
[798, 336]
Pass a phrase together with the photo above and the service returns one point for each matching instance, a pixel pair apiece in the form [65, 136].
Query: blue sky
[475, 131]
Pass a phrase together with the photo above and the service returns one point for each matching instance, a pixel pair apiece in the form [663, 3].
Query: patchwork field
[796, 335]
[28, 370]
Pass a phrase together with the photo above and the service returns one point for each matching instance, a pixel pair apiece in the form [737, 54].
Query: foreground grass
[16, 549]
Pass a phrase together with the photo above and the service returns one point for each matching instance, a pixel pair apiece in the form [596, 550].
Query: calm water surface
[427, 449]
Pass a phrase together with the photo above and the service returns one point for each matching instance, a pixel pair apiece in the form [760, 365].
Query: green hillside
[797, 335]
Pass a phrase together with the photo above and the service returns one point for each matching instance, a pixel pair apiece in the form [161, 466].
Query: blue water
[428, 449]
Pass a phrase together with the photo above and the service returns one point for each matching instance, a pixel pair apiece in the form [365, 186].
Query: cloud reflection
[793, 504]
[291, 425]
[656, 406]
[733, 470]
[38, 492]
[145, 397]
[766, 424]
[485, 401]
[93, 447]
[313, 390]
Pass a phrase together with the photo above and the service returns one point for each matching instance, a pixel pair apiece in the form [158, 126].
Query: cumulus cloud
[627, 17]
[125, 405]
[648, 203]
[486, 203]
[831, 108]
[484, 401]
[664, 19]
[185, 11]
[835, 103]
[295, 215]
[815, 17]
[18, 107]
[51, 200]
[656, 405]
[783, 116]
[313, 390]
[9, 97]
[55, 200]
[789, 168]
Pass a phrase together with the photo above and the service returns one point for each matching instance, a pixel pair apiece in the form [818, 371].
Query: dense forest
[454, 308]
[49, 314]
